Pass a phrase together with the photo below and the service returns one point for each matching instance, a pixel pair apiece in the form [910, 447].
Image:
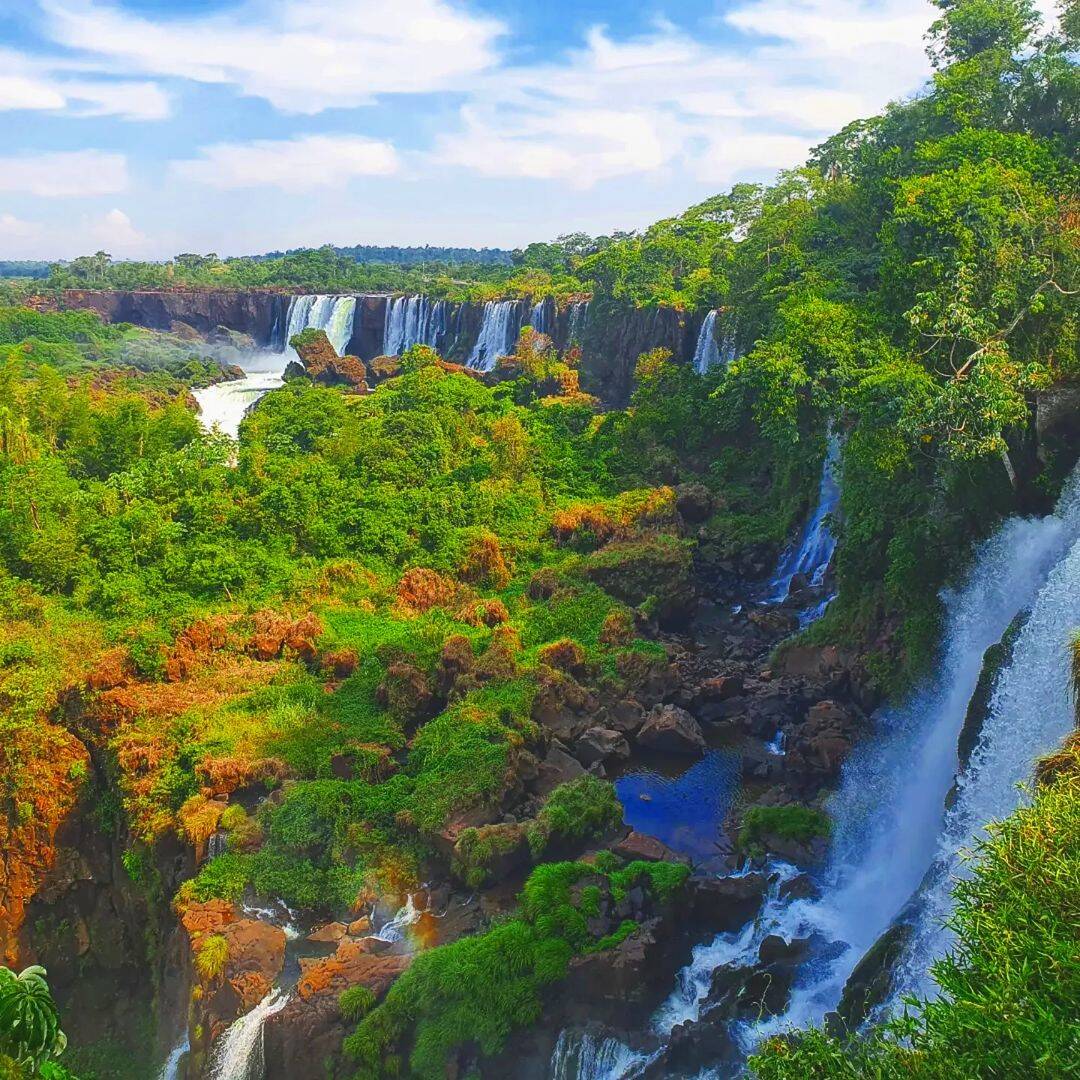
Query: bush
[211, 956]
[797, 823]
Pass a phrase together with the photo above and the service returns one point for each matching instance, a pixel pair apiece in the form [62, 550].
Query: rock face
[258, 313]
[611, 341]
[673, 730]
[309, 1030]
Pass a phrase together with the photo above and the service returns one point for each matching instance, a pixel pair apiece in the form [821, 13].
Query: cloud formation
[64, 174]
[302, 56]
[310, 161]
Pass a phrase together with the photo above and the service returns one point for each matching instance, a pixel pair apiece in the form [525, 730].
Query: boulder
[599, 744]
[556, 768]
[694, 503]
[331, 932]
[672, 730]
[638, 846]
[726, 904]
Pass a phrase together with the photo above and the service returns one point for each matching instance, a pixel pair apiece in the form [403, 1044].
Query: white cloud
[114, 232]
[303, 56]
[62, 85]
[64, 173]
[310, 161]
[15, 229]
[795, 72]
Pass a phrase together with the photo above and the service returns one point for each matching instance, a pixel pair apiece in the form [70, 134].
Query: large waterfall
[240, 1055]
[414, 320]
[890, 823]
[542, 316]
[579, 318]
[498, 334]
[225, 404]
[334, 315]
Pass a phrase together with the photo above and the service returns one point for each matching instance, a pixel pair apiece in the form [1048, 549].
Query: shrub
[211, 956]
[356, 1002]
[798, 823]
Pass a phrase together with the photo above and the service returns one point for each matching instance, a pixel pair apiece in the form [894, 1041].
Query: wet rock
[775, 950]
[749, 992]
[871, 983]
[725, 904]
[673, 730]
[599, 744]
[331, 932]
[360, 926]
[556, 768]
[638, 845]
[800, 887]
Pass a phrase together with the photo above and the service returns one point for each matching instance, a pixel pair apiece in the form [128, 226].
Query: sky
[152, 127]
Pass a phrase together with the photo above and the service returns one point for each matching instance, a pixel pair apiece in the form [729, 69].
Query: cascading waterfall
[394, 929]
[1030, 712]
[225, 404]
[171, 1069]
[240, 1053]
[334, 315]
[540, 317]
[414, 320]
[498, 333]
[581, 1054]
[707, 351]
[812, 553]
[579, 317]
[890, 826]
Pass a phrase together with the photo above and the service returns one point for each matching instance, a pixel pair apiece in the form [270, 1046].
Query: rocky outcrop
[260, 313]
[672, 730]
[320, 363]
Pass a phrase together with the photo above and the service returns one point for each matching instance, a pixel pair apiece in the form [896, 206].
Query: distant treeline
[412, 256]
[23, 268]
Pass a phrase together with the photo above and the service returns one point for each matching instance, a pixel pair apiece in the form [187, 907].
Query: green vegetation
[30, 1032]
[1010, 990]
[474, 992]
[798, 823]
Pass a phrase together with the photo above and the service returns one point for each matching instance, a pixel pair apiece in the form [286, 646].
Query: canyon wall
[612, 337]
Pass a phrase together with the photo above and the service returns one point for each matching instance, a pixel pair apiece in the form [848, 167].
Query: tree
[29, 1019]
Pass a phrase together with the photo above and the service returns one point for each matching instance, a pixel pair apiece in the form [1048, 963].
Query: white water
[890, 825]
[224, 404]
[1030, 713]
[239, 1054]
[334, 315]
[580, 1054]
[579, 317]
[413, 320]
[498, 334]
[540, 317]
[171, 1069]
[811, 554]
[394, 928]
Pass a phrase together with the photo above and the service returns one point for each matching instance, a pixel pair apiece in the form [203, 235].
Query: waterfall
[394, 929]
[579, 317]
[707, 351]
[498, 334]
[171, 1069]
[540, 316]
[240, 1054]
[890, 826]
[217, 844]
[414, 320]
[811, 554]
[583, 1055]
[334, 315]
[1030, 712]
[225, 404]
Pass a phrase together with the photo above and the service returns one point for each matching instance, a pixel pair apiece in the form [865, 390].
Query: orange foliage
[618, 519]
[199, 818]
[566, 655]
[485, 563]
[224, 775]
[112, 669]
[48, 760]
[421, 590]
[618, 629]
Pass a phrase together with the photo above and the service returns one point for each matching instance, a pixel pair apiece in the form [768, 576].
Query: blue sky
[149, 127]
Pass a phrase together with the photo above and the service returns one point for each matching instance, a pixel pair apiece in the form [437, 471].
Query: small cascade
[171, 1069]
[334, 315]
[811, 554]
[584, 1055]
[217, 844]
[579, 317]
[414, 320]
[498, 334]
[394, 928]
[240, 1052]
[541, 316]
[890, 826]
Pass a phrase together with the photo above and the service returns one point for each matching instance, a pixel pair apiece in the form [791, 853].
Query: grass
[797, 823]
